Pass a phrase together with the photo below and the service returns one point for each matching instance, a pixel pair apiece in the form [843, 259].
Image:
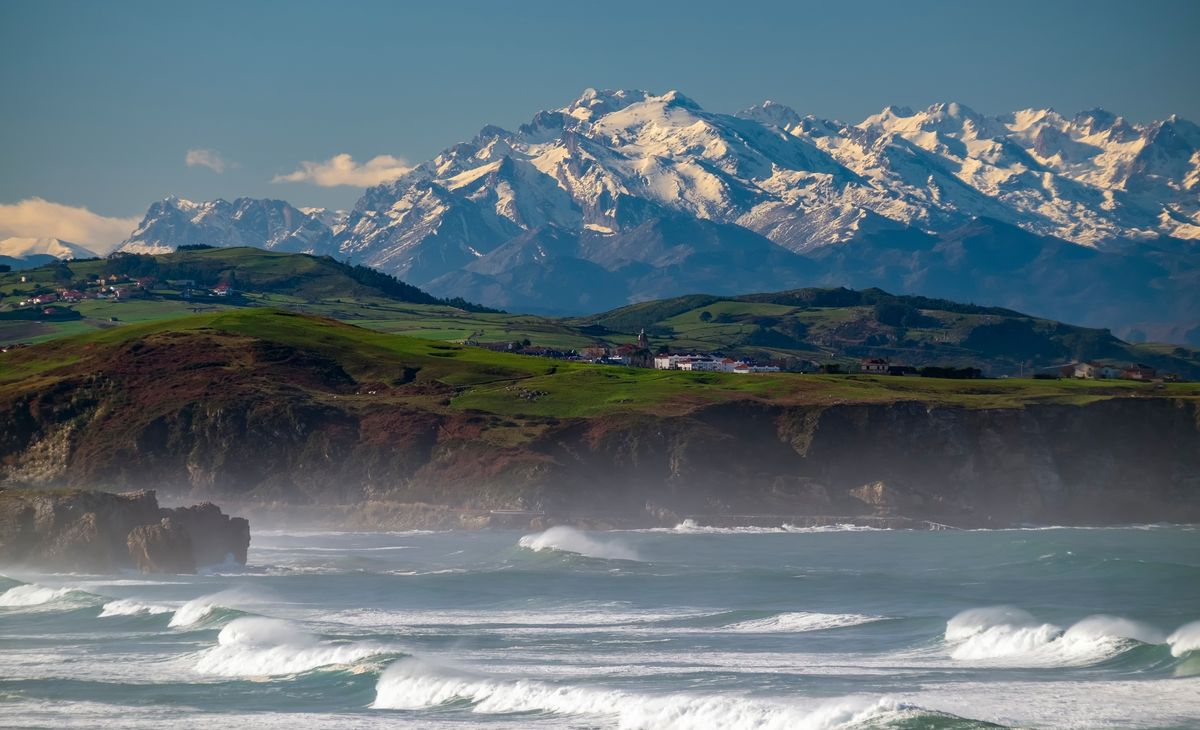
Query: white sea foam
[411, 684]
[257, 646]
[799, 622]
[1014, 636]
[32, 594]
[194, 611]
[569, 540]
[1185, 639]
[228, 566]
[691, 527]
[132, 607]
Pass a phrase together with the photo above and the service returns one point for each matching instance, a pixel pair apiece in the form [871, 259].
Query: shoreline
[383, 517]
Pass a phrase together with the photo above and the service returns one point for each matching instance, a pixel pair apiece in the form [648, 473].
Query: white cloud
[38, 218]
[206, 158]
[343, 170]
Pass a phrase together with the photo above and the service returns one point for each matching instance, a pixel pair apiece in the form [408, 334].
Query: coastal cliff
[277, 413]
[1120, 460]
[84, 530]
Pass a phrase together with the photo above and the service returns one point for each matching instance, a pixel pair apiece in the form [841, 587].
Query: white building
[709, 364]
[1092, 370]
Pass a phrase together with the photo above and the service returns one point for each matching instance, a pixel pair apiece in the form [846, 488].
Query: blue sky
[104, 100]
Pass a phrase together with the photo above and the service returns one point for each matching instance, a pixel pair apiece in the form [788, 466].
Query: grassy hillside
[308, 284]
[373, 367]
[842, 326]
[800, 329]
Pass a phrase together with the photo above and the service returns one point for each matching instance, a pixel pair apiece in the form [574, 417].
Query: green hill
[800, 329]
[810, 326]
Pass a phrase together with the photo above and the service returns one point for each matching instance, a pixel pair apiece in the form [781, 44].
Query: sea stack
[85, 530]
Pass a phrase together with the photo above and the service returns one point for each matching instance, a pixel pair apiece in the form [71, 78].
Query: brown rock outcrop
[215, 536]
[95, 531]
[162, 548]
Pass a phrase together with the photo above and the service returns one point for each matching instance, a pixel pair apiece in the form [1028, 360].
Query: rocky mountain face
[270, 224]
[625, 195]
[100, 531]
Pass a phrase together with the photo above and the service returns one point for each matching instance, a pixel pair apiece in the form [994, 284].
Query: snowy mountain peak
[676, 98]
[630, 178]
[773, 114]
[19, 247]
[592, 103]
[265, 223]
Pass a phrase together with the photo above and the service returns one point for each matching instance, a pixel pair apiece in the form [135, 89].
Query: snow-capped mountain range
[626, 195]
[20, 252]
[270, 224]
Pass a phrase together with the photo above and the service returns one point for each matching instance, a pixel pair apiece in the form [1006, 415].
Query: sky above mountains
[113, 105]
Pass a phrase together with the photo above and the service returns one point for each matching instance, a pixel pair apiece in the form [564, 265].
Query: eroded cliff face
[1121, 460]
[85, 530]
[1118, 460]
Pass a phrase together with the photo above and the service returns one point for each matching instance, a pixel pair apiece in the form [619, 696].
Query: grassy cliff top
[281, 354]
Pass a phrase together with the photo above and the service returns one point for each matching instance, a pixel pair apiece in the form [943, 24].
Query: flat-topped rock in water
[97, 531]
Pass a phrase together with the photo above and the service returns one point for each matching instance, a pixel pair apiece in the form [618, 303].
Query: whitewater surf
[682, 628]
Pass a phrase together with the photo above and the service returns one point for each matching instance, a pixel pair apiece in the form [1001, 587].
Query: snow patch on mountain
[19, 247]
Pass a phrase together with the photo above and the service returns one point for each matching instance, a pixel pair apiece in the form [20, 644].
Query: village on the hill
[641, 354]
[49, 303]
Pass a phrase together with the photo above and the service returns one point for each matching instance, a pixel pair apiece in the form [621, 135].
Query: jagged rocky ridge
[624, 196]
[87, 530]
[271, 224]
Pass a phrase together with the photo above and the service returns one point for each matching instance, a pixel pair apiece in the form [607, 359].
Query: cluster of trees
[138, 265]
[935, 371]
[929, 371]
[843, 297]
[901, 313]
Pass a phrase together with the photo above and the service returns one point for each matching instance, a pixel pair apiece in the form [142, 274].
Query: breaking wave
[32, 594]
[193, 612]
[256, 646]
[1009, 634]
[570, 540]
[691, 527]
[1185, 639]
[800, 621]
[412, 684]
[206, 610]
[132, 607]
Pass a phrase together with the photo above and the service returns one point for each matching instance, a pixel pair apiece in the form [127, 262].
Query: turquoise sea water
[684, 628]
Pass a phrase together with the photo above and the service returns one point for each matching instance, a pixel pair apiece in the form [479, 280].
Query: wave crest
[193, 612]
[1007, 633]
[412, 684]
[256, 646]
[32, 594]
[800, 621]
[1185, 639]
[132, 607]
[691, 527]
[569, 540]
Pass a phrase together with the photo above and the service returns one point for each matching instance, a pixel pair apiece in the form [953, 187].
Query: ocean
[689, 627]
